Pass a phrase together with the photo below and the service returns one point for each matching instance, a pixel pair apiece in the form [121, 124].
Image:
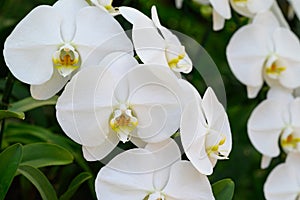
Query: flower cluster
[264, 52]
[108, 96]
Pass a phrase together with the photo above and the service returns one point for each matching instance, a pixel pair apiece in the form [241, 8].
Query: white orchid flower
[221, 11]
[265, 51]
[273, 120]
[149, 174]
[49, 45]
[250, 8]
[154, 43]
[106, 5]
[119, 101]
[284, 180]
[205, 132]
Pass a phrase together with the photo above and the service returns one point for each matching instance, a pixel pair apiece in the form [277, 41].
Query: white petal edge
[49, 88]
[29, 48]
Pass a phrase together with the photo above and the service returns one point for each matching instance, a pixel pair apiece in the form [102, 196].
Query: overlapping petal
[98, 31]
[265, 125]
[68, 10]
[205, 132]
[187, 183]
[283, 181]
[152, 49]
[176, 180]
[50, 87]
[29, 48]
[252, 7]
[246, 54]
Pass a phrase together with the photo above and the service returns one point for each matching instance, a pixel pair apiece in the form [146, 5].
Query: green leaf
[30, 103]
[39, 180]
[44, 154]
[24, 133]
[30, 134]
[11, 114]
[9, 162]
[75, 184]
[223, 189]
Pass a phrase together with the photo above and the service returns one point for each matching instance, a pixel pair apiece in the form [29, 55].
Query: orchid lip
[66, 60]
[123, 122]
[214, 151]
[290, 140]
[157, 195]
[241, 3]
[274, 66]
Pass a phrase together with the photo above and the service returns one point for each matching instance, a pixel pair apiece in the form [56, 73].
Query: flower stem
[5, 101]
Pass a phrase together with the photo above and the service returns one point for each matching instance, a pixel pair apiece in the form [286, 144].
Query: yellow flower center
[274, 67]
[241, 3]
[66, 59]
[123, 122]
[175, 55]
[155, 196]
[291, 142]
[214, 150]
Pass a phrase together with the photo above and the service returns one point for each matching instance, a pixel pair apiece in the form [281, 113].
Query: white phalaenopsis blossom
[106, 5]
[284, 180]
[265, 51]
[153, 173]
[154, 44]
[205, 132]
[275, 119]
[250, 8]
[51, 43]
[119, 101]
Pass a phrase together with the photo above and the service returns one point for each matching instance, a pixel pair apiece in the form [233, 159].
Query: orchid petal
[158, 117]
[282, 182]
[253, 91]
[193, 130]
[166, 153]
[49, 88]
[246, 54]
[190, 92]
[265, 125]
[222, 8]
[167, 34]
[122, 177]
[295, 115]
[68, 10]
[259, 6]
[187, 183]
[28, 50]
[287, 44]
[84, 108]
[93, 153]
[242, 10]
[151, 50]
[103, 35]
[218, 21]
[217, 118]
[289, 78]
[266, 19]
[265, 161]
[280, 94]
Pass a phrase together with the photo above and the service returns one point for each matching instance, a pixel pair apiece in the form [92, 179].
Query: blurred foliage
[40, 124]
